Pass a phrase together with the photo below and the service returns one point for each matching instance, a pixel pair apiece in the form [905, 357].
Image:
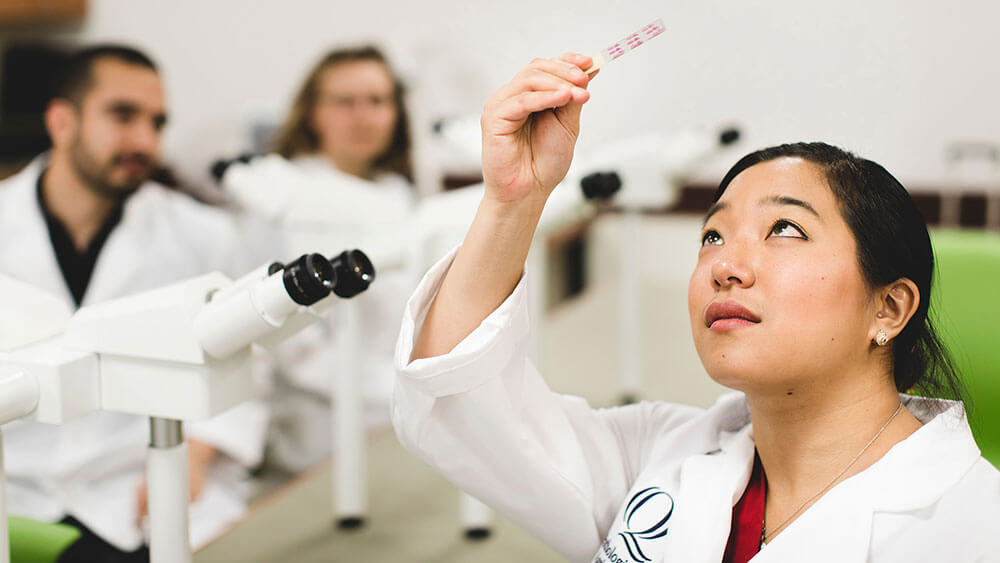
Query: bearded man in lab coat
[85, 222]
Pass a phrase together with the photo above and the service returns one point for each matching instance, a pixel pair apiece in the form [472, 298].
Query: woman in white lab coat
[92, 468]
[809, 298]
[347, 128]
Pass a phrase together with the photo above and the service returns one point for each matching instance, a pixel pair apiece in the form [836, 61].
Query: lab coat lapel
[122, 266]
[711, 484]
[27, 250]
[839, 526]
[835, 529]
[943, 448]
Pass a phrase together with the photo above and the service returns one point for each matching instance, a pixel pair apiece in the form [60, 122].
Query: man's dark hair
[76, 77]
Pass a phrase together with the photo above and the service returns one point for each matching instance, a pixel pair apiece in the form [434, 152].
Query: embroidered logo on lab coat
[645, 518]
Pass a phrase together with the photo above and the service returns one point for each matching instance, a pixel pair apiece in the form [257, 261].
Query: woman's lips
[729, 315]
[730, 324]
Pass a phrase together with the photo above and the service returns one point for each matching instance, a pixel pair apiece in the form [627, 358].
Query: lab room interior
[439, 282]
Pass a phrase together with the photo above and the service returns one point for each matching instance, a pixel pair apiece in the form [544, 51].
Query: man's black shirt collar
[77, 268]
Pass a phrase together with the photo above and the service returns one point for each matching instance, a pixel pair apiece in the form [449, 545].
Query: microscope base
[351, 523]
[478, 534]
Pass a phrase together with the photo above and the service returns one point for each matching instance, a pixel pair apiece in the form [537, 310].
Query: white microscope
[179, 353]
[40, 378]
[326, 209]
[320, 209]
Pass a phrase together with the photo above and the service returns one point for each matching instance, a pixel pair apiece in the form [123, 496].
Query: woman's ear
[897, 302]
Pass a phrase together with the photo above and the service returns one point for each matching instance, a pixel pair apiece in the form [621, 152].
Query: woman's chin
[741, 375]
[731, 381]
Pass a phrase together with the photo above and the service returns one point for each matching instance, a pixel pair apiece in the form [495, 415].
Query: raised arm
[530, 126]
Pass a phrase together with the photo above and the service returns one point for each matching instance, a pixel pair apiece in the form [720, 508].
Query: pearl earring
[881, 338]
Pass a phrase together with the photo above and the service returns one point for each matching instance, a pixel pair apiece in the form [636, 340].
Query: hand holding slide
[530, 126]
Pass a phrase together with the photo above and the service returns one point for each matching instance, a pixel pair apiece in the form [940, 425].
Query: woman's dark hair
[892, 243]
[297, 137]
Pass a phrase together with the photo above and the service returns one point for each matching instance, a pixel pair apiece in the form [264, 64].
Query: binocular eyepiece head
[311, 277]
[601, 185]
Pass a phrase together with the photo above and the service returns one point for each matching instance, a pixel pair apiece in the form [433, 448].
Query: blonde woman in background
[347, 127]
[349, 116]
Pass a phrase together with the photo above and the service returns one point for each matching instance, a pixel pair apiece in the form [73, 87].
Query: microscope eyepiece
[312, 277]
[354, 272]
[309, 278]
[265, 302]
[600, 185]
[729, 136]
[219, 167]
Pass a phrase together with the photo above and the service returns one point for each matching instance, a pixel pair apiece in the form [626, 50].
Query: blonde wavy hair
[296, 136]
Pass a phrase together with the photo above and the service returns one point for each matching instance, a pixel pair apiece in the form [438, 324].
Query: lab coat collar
[943, 449]
[838, 526]
[35, 260]
[134, 236]
[29, 254]
[840, 531]
[712, 483]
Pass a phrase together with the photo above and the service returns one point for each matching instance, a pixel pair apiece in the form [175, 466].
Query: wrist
[526, 207]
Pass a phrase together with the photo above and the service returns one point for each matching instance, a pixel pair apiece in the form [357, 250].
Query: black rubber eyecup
[353, 271]
[309, 278]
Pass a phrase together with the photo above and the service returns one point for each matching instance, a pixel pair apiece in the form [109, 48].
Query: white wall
[894, 80]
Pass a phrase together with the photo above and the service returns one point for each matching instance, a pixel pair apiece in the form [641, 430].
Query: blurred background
[909, 84]
[895, 81]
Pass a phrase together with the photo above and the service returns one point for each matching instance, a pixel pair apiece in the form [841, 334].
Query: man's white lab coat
[657, 481]
[92, 467]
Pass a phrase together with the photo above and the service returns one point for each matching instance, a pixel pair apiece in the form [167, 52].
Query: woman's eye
[784, 228]
[711, 237]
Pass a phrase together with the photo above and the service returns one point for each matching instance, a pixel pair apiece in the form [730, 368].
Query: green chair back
[965, 305]
[32, 541]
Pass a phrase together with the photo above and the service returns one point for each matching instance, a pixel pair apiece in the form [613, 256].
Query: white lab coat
[657, 481]
[92, 467]
[362, 215]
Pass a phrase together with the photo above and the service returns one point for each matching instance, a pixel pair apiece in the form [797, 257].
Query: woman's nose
[731, 270]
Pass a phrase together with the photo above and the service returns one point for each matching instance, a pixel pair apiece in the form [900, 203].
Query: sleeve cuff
[489, 347]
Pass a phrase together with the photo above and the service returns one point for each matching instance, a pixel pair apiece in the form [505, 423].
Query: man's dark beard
[96, 177]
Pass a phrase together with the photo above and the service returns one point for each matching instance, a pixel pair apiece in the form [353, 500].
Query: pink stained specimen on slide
[627, 44]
